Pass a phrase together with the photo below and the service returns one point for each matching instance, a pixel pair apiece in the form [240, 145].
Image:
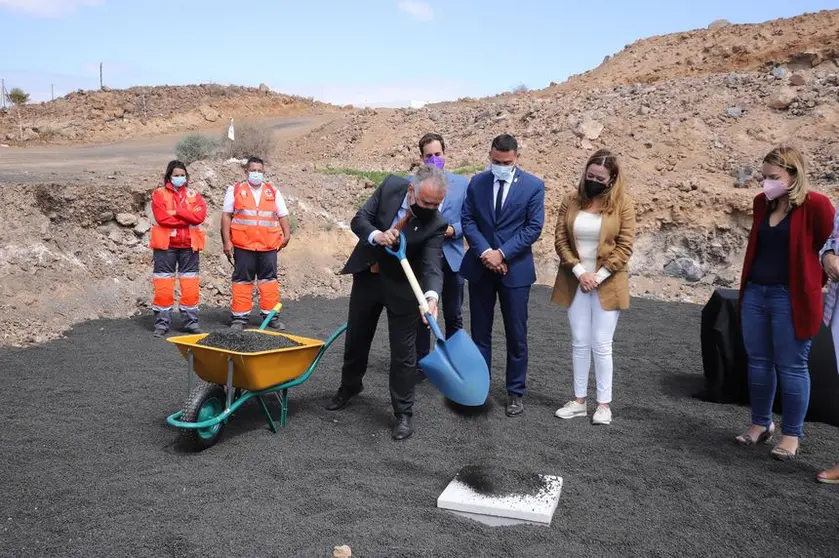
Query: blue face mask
[255, 178]
[178, 181]
[503, 173]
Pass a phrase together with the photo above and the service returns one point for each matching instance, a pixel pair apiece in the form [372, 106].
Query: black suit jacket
[424, 251]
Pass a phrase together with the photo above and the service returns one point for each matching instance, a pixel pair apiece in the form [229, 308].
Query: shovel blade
[458, 370]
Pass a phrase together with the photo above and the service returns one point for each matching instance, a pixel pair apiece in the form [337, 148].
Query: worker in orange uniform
[177, 239]
[255, 225]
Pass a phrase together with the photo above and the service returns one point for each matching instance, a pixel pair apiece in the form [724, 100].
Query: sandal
[823, 476]
[745, 440]
[782, 454]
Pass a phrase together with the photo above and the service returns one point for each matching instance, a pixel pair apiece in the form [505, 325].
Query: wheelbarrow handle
[270, 315]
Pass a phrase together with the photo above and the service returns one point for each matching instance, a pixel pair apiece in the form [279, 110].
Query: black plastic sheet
[726, 366]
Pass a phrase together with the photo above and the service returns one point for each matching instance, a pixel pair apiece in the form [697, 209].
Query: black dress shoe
[403, 428]
[514, 406]
[342, 398]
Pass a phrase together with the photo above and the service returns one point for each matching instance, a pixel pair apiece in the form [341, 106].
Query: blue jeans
[775, 354]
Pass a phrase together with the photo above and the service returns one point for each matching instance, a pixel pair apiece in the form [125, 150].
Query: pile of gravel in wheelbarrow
[246, 341]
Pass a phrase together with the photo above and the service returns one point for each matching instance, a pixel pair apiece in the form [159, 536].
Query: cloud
[421, 11]
[47, 8]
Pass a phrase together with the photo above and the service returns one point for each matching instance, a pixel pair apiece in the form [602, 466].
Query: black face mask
[423, 214]
[595, 188]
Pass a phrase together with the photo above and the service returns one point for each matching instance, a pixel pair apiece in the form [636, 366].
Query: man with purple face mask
[433, 152]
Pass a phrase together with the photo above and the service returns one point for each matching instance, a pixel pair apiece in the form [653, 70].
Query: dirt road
[73, 164]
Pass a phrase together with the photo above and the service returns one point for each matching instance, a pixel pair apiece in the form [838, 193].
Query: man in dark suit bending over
[379, 282]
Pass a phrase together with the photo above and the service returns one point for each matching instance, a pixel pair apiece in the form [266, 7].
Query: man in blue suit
[503, 216]
[433, 151]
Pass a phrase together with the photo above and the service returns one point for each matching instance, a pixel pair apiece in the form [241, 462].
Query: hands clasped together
[588, 282]
[494, 261]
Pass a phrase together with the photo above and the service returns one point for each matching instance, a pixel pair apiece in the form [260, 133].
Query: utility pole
[101, 82]
[52, 90]
[3, 92]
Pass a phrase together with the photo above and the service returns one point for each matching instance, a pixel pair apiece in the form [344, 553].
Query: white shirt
[587, 236]
[495, 185]
[282, 209]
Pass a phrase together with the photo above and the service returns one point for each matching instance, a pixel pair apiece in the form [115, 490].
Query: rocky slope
[691, 145]
[799, 43]
[72, 252]
[110, 115]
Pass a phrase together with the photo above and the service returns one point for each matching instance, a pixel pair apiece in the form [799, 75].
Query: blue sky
[377, 52]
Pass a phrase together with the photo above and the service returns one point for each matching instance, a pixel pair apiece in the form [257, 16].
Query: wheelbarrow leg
[190, 371]
[267, 414]
[283, 401]
[229, 382]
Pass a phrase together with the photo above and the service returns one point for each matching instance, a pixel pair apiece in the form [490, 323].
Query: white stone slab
[492, 520]
[459, 497]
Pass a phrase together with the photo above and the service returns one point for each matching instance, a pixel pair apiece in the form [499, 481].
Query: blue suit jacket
[520, 225]
[451, 209]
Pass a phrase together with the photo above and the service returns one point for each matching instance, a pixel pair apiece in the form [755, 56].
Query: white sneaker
[603, 415]
[572, 409]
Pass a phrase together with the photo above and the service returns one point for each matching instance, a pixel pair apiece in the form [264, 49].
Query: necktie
[498, 199]
[400, 224]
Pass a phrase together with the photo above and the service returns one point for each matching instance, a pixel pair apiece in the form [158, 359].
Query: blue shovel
[455, 367]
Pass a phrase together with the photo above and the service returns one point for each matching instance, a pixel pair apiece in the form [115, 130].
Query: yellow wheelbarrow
[252, 375]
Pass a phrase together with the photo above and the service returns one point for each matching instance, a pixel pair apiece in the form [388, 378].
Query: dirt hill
[798, 43]
[111, 114]
[691, 146]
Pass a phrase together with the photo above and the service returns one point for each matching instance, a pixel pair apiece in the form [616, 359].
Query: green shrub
[470, 170]
[252, 140]
[195, 147]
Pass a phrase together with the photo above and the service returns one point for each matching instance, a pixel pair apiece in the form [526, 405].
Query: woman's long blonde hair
[791, 160]
[614, 195]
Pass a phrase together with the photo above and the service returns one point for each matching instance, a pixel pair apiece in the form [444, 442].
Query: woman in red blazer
[781, 296]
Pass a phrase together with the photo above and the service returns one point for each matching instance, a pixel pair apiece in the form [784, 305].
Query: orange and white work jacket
[177, 215]
[255, 226]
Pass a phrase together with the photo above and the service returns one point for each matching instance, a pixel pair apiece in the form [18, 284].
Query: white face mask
[255, 178]
[503, 173]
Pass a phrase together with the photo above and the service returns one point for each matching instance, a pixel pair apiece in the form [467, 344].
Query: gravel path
[89, 467]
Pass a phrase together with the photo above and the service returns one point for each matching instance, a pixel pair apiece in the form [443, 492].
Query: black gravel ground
[88, 466]
[246, 341]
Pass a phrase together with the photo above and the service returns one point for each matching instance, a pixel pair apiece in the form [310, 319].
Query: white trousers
[592, 330]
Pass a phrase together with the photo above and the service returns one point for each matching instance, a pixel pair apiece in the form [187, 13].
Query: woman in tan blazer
[595, 230]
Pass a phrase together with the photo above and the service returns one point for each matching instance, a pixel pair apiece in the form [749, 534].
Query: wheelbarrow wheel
[205, 402]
